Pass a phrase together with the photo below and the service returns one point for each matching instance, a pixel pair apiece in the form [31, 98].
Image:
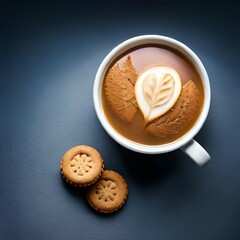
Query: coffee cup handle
[195, 151]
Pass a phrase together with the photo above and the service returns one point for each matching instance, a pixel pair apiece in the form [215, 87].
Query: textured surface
[109, 193]
[121, 93]
[180, 115]
[48, 59]
[81, 165]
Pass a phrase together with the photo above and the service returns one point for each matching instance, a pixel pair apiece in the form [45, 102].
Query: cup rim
[138, 41]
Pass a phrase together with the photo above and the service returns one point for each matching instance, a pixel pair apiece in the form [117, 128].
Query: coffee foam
[157, 90]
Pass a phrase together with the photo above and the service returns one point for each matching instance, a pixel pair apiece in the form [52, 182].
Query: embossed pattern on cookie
[109, 193]
[81, 165]
[106, 190]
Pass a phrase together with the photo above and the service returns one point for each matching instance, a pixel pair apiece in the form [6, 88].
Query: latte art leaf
[157, 92]
[148, 88]
[157, 89]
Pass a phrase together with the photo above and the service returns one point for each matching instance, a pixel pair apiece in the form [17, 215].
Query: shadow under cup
[186, 142]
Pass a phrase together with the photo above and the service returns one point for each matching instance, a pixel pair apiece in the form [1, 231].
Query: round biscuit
[81, 165]
[109, 193]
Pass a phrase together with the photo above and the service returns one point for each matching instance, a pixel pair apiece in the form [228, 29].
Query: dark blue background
[49, 54]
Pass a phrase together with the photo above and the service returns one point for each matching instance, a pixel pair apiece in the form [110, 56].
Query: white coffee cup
[186, 143]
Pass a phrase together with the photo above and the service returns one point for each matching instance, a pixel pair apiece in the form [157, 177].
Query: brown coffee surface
[119, 102]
